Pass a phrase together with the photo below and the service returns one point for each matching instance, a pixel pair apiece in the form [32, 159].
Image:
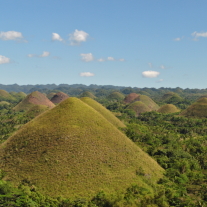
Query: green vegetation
[72, 150]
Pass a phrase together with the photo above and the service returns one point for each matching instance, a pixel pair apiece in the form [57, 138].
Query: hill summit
[59, 97]
[34, 98]
[72, 150]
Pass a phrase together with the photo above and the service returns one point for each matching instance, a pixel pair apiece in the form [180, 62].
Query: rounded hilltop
[139, 107]
[34, 98]
[73, 151]
[168, 108]
[87, 94]
[116, 96]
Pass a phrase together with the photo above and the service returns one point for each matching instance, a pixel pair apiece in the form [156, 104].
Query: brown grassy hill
[116, 96]
[129, 98]
[103, 111]
[59, 97]
[197, 109]
[139, 107]
[72, 150]
[5, 96]
[148, 102]
[35, 98]
[87, 94]
[168, 108]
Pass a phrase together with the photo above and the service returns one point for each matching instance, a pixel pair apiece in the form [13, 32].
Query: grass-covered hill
[4, 103]
[138, 107]
[87, 94]
[130, 98]
[168, 108]
[197, 109]
[147, 101]
[59, 97]
[72, 150]
[5, 96]
[35, 98]
[116, 96]
[171, 97]
[36, 110]
[50, 95]
[103, 111]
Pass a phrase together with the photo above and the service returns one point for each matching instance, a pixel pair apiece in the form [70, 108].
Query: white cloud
[163, 67]
[87, 57]
[110, 59]
[44, 54]
[56, 36]
[150, 74]
[4, 59]
[77, 37]
[101, 60]
[122, 59]
[202, 34]
[177, 39]
[11, 35]
[87, 74]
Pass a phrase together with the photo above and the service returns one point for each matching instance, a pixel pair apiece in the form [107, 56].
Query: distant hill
[59, 97]
[197, 109]
[131, 97]
[139, 107]
[171, 98]
[168, 108]
[87, 94]
[35, 98]
[73, 151]
[147, 101]
[103, 111]
[5, 96]
[116, 96]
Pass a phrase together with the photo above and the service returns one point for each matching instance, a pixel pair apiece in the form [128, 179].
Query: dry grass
[138, 107]
[148, 102]
[59, 97]
[72, 150]
[87, 94]
[116, 96]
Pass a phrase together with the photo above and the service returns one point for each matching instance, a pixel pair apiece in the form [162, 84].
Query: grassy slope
[35, 98]
[71, 150]
[59, 97]
[129, 98]
[198, 109]
[148, 101]
[138, 107]
[103, 111]
[168, 108]
[5, 96]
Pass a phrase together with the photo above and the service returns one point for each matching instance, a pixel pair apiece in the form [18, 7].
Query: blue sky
[151, 43]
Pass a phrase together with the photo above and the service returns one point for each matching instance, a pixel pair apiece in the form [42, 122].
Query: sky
[150, 43]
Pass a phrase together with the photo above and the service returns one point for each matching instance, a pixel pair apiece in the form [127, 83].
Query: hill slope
[197, 109]
[72, 150]
[59, 97]
[147, 101]
[168, 108]
[131, 97]
[103, 111]
[138, 107]
[35, 98]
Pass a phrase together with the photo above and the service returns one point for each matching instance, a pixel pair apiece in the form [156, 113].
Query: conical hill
[116, 96]
[171, 97]
[87, 94]
[72, 150]
[197, 109]
[34, 98]
[5, 96]
[147, 101]
[138, 107]
[103, 111]
[168, 108]
[59, 97]
[131, 97]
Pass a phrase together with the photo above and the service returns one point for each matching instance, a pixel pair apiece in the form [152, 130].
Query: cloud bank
[87, 57]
